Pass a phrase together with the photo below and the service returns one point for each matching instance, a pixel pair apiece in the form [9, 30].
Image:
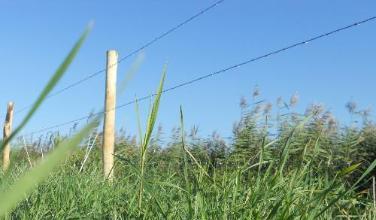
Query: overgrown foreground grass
[290, 177]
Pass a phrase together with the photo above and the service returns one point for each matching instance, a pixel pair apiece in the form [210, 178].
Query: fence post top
[112, 52]
[10, 106]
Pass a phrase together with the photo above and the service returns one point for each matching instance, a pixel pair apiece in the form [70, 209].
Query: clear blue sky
[36, 36]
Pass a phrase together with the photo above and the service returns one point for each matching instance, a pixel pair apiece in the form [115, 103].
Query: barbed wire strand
[214, 73]
[134, 52]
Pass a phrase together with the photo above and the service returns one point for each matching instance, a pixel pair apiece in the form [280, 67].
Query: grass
[308, 170]
[184, 184]
[168, 193]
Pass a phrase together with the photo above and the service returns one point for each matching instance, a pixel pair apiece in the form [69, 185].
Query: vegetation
[310, 167]
[278, 165]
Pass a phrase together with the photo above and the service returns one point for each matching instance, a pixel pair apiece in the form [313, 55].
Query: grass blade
[10, 198]
[50, 85]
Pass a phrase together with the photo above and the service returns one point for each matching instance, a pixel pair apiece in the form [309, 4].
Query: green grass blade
[131, 72]
[10, 198]
[50, 85]
[154, 111]
[140, 133]
[185, 167]
[370, 168]
[145, 141]
[349, 169]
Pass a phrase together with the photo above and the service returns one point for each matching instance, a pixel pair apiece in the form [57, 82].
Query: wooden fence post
[6, 133]
[108, 147]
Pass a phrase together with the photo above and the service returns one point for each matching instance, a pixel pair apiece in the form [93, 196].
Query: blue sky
[36, 36]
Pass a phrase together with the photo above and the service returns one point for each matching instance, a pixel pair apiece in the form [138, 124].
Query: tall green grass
[289, 181]
[308, 170]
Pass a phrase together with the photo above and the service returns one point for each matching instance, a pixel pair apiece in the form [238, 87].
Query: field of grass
[278, 165]
[309, 170]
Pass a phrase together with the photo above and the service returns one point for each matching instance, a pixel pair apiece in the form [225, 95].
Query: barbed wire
[274, 52]
[134, 52]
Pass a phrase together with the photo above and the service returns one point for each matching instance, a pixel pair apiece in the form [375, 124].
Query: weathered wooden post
[6, 133]
[109, 116]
